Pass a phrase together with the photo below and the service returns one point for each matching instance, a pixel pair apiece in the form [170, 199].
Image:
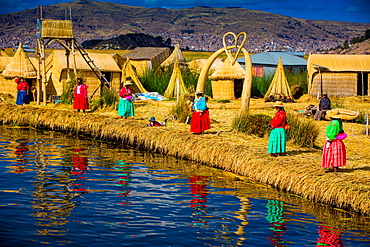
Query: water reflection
[124, 179]
[199, 198]
[329, 236]
[275, 217]
[78, 192]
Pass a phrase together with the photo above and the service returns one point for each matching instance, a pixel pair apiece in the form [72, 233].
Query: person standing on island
[125, 106]
[334, 151]
[324, 106]
[200, 117]
[22, 95]
[277, 139]
[80, 101]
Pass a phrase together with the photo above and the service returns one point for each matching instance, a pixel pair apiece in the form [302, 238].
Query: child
[154, 123]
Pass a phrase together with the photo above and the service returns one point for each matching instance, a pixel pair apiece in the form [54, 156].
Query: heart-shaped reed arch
[238, 42]
[236, 38]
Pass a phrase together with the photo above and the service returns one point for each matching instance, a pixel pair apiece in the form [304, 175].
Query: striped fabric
[334, 154]
[277, 141]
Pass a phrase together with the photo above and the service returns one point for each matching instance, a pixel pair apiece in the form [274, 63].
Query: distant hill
[362, 48]
[126, 41]
[195, 27]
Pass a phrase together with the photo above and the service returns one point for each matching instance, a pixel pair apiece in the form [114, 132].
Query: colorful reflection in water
[57, 189]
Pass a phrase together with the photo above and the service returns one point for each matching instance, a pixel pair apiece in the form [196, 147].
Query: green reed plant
[67, 95]
[251, 124]
[302, 132]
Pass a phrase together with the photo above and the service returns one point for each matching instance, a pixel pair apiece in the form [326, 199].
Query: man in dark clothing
[323, 107]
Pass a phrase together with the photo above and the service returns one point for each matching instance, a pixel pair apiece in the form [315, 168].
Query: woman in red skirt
[80, 96]
[200, 117]
[334, 152]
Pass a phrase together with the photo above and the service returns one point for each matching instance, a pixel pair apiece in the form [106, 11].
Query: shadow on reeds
[298, 152]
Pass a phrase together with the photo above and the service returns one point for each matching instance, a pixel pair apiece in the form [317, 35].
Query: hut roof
[145, 53]
[175, 56]
[279, 84]
[228, 72]
[105, 62]
[4, 61]
[20, 66]
[3, 54]
[196, 65]
[337, 63]
[272, 58]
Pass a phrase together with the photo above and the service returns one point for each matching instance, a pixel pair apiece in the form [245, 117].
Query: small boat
[343, 114]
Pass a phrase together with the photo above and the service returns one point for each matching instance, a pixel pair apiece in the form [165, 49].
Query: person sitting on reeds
[155, 123]
[200, 120]
[324, 106]
[334, 151]
[80, 101]
[22, 95]
[277, 138]
[125, 106]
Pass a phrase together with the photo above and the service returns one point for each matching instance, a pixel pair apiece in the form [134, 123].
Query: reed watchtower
[49, 31]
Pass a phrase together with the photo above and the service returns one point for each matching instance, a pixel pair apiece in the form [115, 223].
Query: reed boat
[343, 114]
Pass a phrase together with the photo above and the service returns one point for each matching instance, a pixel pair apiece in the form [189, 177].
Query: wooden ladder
[95, 69]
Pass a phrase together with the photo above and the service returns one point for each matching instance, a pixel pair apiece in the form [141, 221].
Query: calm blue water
[57, 189]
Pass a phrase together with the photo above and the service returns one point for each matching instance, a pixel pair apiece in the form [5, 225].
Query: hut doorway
[32, 91]
[362, 83]
[238, 88]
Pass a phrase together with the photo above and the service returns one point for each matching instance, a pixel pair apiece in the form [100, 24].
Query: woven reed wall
[223, 89]
[8, 86]
[57, 29]
[335, 84]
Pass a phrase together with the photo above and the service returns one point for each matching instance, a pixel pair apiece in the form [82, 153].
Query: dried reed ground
[299, 172]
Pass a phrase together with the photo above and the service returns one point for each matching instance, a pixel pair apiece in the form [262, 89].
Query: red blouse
[23, 86]
[279, 121]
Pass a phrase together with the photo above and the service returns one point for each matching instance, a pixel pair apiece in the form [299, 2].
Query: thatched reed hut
[196, 65]
[279, 84]
[227, 81]
[176, 56]
[338, 75]
[18, 66]
[58, 67]
[145, 59]
[129, 71]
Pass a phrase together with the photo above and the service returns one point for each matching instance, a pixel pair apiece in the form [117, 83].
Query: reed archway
[247, 85]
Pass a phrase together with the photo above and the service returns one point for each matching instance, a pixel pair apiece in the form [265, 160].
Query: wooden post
[367, 124]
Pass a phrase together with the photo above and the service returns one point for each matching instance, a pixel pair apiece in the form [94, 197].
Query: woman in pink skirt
[334, 152]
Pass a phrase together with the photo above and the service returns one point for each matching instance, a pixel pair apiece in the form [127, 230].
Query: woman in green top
[334, 152]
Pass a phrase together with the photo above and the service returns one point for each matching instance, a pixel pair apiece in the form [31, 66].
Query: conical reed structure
[20, 66]
[176, 83]
[279, 84]
[129, 71]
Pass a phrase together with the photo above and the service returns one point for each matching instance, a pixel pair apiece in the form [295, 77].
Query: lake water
[57, 189]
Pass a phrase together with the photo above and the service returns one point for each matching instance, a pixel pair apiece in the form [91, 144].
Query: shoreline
[298, 173]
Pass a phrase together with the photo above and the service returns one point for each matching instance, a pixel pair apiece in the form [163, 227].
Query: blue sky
[336, 10]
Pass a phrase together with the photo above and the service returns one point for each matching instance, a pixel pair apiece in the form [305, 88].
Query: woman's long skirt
[125, 108]
[22, 98]
[277, 141]
[200, 122]
[334, 154]
[80, 102]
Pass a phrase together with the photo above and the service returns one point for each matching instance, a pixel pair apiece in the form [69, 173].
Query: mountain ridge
[199, 28]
